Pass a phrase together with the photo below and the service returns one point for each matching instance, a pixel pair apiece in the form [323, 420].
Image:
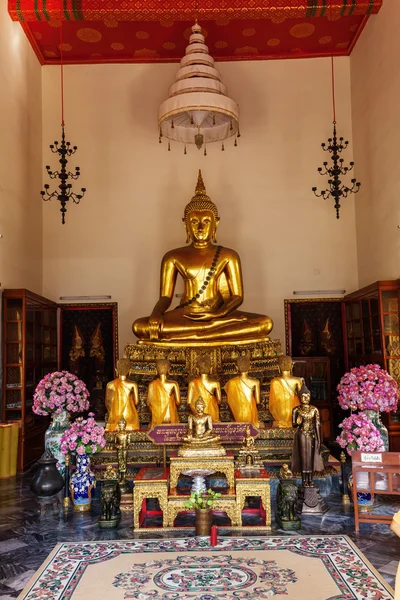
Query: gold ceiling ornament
[87, 34]
[198, 109]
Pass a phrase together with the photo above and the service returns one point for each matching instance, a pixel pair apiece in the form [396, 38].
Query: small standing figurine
[306, 457]
[122, 439]
[122, 398]
[163, 396]
[243, 394]
[283, 395]
[248, 440]
[205, 387]
[200, 439]
[248, 455]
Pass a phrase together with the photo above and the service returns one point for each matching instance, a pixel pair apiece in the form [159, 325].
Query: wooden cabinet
[29, 353]
[375, 473]
[373, 336]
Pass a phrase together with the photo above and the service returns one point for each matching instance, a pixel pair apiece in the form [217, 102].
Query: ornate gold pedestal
[220, 464]
[155, 483]
[150, 483]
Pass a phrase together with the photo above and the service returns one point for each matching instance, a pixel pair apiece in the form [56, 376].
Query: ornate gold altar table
[219, 464]
[253, 483]
[150, 483]
[227, 503]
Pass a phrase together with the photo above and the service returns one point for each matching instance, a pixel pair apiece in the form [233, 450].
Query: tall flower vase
[375, 418]
[52, 439]
[82, 483]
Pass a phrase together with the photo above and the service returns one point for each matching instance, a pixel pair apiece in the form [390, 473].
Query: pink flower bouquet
[84, 436]
[368, 388]
[60, 391]
[360, 434]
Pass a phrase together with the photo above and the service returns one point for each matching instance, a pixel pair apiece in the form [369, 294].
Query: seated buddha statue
[200, 440]
[122, 398]
[284, 393]
[207, 388]
[243, 393]
[213, 289]
[163, 396]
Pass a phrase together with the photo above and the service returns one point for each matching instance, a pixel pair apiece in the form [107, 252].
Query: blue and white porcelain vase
[375, 417]
[52, 439]
[82, 483]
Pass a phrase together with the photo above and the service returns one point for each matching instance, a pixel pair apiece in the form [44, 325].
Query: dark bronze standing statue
[306, 456]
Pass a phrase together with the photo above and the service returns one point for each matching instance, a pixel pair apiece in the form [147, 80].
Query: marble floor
[26, 539]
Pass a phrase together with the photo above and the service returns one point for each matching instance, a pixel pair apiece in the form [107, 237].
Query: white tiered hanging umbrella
[198, 110]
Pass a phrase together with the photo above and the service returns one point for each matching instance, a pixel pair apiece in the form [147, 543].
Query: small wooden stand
[375, 463]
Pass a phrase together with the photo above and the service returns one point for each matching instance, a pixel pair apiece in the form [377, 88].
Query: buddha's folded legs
[238, 325]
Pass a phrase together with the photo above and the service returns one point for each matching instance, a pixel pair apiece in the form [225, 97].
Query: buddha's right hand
[156, 323]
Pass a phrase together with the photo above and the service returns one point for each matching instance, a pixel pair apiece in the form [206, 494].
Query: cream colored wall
[113, 241]
[20, 159]
[375, 87]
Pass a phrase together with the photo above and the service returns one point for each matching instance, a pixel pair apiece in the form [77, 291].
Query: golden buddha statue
[249, 456]
[122, 398]
[208, 389]
[283, 395]
[243, 394]
[208, 312]
[163, 396]
[200, 439]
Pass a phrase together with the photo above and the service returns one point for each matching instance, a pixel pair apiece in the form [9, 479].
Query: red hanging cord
[333, 74]
[333, 92]
[62, 72]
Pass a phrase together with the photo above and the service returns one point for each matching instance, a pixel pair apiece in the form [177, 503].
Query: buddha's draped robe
[120, 403]
[241, 401]
[197, 389]
[282, 400]
[162, 403]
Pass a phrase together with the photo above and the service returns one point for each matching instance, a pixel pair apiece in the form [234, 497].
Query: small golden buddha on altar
[122, 399]
[206, 388]
[163, 396]
[200, 439]
[208, 312]
[284, 393]
[243, 393]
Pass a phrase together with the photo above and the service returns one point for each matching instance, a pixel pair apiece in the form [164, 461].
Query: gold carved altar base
[161, 483]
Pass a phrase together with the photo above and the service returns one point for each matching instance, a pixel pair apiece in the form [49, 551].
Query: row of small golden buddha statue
[164, 398]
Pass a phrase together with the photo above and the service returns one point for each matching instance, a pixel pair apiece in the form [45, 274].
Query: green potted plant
[202, 505]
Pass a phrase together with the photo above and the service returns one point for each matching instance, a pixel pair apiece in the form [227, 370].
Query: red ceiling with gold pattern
[98, 31]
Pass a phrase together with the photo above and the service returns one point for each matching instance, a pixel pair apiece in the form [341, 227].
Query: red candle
[213, 536]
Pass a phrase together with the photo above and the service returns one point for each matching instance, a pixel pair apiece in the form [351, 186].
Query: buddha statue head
[204, 364]
[200, 406]
[243, 363]
[123, 367]
[122, 424]
[304, 395]
[163, 366]
[201, 216]
[285, 363]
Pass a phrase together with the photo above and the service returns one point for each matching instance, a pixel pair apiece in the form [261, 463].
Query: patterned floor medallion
[206, 578]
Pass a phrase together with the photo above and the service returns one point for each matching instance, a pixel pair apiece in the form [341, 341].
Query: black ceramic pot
[47, 480]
